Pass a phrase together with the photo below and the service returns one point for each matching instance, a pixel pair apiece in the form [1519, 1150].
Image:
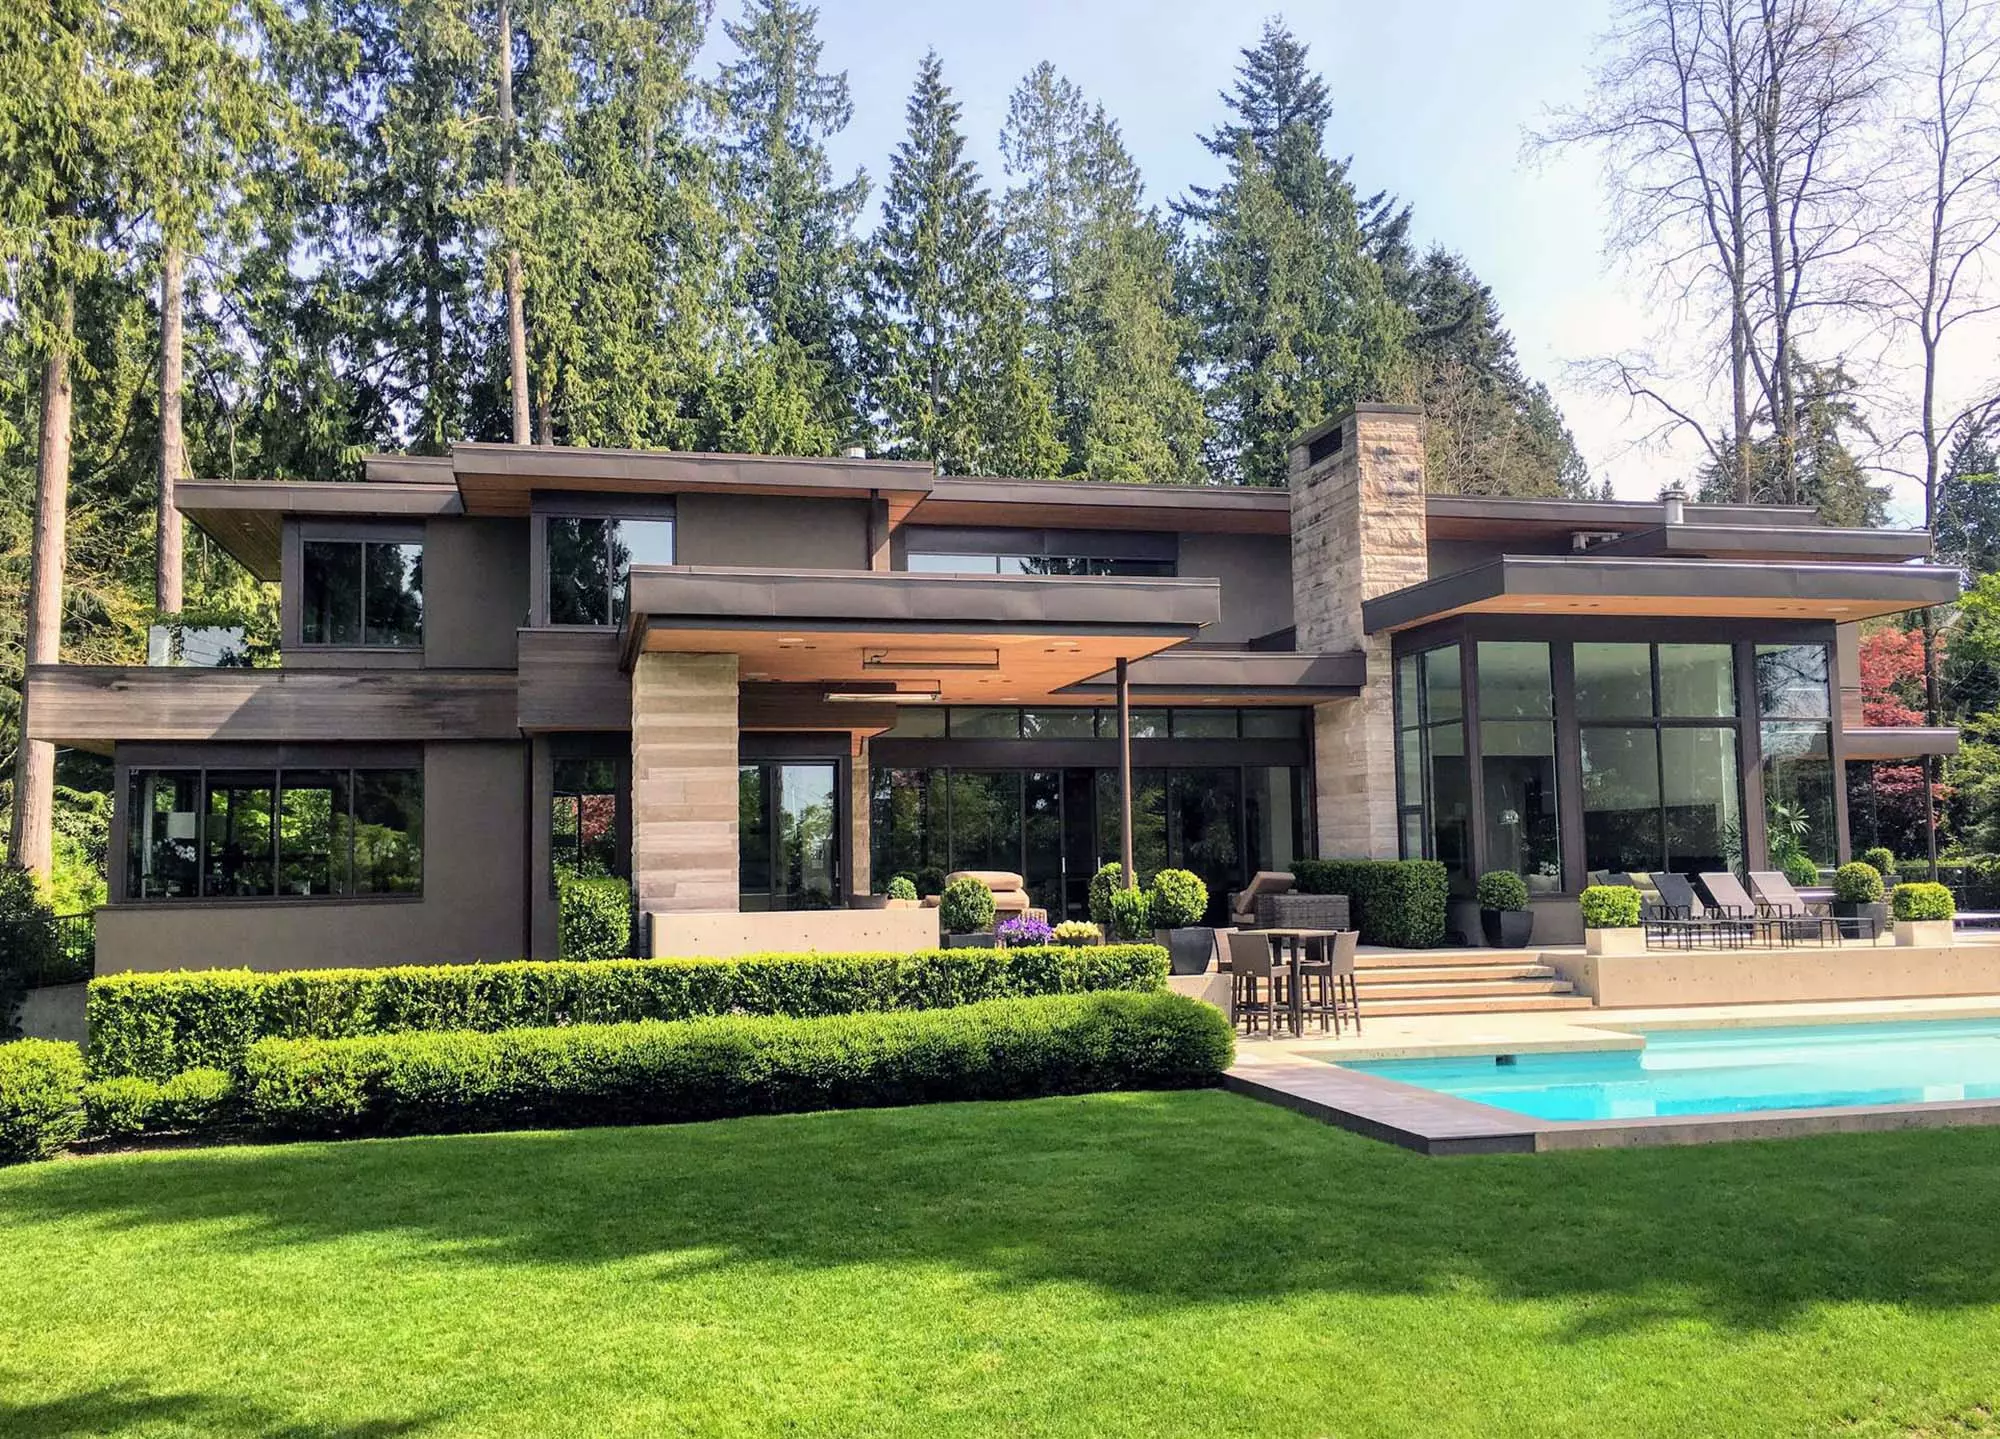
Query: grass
[1118, 1265]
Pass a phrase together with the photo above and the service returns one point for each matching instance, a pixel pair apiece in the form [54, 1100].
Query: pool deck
[1304, 1075]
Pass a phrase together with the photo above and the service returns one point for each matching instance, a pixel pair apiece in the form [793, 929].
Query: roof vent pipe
[1676, 509]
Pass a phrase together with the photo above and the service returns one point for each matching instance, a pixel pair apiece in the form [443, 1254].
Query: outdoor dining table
[1298, 944]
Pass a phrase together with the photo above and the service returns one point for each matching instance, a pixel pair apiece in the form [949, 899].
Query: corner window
[260, 834]
[362, 592]
[589, 562]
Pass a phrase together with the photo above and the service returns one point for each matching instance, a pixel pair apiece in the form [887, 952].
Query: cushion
[994, 879]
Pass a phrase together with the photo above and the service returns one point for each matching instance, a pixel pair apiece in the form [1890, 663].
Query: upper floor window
[589, 562]
[362, 592]
[970, 564]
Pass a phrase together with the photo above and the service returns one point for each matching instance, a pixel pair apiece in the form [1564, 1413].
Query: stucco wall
[471, 906]
[1765, 976]
[1448, 557]
[1256, 575]
[475, 591]
[771, 531]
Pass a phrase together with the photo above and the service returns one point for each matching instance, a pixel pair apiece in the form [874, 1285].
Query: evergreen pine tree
[1967, 532]
[945, 333]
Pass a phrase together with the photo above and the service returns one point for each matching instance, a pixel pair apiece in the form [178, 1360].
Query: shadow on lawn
[116, 1408]
[1158, 1200]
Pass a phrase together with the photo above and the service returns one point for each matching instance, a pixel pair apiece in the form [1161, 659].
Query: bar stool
[1259, 983]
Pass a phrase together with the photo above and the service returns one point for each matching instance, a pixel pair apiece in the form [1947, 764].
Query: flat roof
[246, 517]
[1788, 542]
[1084, 504]
[1590, 585]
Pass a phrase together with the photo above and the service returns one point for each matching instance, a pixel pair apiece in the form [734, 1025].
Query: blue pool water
[1729, 1071]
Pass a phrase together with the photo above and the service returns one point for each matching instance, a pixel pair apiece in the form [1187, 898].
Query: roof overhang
[246, 517]
[1080, 504]
[1507, 518]
[1767, 542]
[892, 636]
[1722, 589]
[503, 479]
[1242, 676]
[1887, 742]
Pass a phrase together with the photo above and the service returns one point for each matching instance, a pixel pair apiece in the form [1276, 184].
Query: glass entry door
[788, 833]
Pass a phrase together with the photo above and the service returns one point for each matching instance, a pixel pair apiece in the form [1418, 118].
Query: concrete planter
[1615, 941]
[1189, 951]
[987, 940]
[1506, 928]
[1853, 915]
[1923, 932]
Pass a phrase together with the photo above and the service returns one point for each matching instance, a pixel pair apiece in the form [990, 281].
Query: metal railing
[59, 949]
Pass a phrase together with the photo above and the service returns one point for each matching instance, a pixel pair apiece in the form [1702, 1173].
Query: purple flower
[1025, 929]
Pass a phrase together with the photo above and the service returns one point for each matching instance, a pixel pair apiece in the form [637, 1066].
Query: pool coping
[1314, 1084]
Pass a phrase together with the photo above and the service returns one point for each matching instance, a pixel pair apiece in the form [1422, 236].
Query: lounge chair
[1776, 894]
[1731, 899]
[1686, 917]
[1243, 903]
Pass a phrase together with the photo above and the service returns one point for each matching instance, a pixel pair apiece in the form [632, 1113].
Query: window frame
[274, 761]
[585, 507]
[293, 588]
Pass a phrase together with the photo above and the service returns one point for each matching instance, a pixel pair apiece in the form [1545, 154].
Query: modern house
[762, 684]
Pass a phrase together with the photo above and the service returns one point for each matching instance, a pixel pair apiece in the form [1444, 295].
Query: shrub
[1502, 889]
[1025, 929]
[1800, 869]
[127, 1106]
[1397, 902]
[41, 1098]
[1177, 898]
[28, 945]
[1610, 906]
[713, 1068]
[156, 1025]
[593, 917]
[1881, 859]
[1923, 901]
[902, 887]
[1131, 914]
[1108, 879]
[1857, 883]
[966, 907]
[1076, 931]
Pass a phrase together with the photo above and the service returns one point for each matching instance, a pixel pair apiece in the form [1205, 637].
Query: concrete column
[1358, 531]
[684, 842]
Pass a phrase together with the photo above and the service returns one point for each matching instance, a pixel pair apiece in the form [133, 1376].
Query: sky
[1434, 101]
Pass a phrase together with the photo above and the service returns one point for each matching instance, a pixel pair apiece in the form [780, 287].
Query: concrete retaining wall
[720, 934]
[1779, 976]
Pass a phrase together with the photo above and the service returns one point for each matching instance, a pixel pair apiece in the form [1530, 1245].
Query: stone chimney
[1358, 531]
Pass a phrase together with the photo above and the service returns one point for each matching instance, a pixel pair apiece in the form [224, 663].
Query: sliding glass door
[788, 831]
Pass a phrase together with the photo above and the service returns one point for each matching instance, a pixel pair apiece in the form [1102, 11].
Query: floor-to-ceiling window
[1434, 783]
[788, 834]
[1795, 733]
[1517, 761]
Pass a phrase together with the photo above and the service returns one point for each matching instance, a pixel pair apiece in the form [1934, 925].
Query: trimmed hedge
[1502, 889]
[716, 1068]
[156, 1025]
[1398, 902]
[1176, 899]
[127, 1106]
[1922, 901]
[1881, 859]
[41, 1098]
[966, 907]
[593, 917]
[1857, 882]
[1609, 906]
[1131, 915]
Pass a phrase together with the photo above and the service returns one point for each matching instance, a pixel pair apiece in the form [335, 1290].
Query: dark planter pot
[1189, 951]
[1854, 916]
[1507, 928]
[970, 941]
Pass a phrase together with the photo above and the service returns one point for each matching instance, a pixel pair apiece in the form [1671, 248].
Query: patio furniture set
[1771, 914]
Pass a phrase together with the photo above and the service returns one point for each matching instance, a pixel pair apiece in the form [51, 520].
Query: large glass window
[788, 833]
[361, 592]
[1434, 782]
[1796, 703]
[583, 815]
[1621, 798]
[1613, 681]
[299, 833]
[1517, 762]
[589, 562]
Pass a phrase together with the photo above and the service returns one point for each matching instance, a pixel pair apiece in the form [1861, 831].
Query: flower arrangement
[1024, 929]
[1076, 932]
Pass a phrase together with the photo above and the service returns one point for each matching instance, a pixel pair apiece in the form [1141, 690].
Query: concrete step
[1462, 989]
[1432, 973]
[1500, 1004]
[1431, 958]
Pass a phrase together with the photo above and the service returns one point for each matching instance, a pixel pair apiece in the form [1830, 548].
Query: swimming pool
[1727, 1071]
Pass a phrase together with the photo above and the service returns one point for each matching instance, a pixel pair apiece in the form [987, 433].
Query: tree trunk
[31, 840]
[517, 322]
[173, 449]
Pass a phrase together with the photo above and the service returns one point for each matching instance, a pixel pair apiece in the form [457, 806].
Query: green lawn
[1118, 1265]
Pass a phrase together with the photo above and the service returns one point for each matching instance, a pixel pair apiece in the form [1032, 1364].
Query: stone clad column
[684, 843]
[859, 797]
[1358, 531]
